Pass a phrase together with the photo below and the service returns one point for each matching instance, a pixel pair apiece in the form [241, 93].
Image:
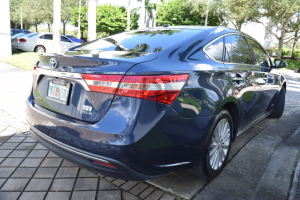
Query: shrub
[296, 53]
[286, 52]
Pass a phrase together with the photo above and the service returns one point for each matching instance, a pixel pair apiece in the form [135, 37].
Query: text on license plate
[58, 93]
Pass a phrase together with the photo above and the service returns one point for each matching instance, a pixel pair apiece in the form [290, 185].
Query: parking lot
[264, 161]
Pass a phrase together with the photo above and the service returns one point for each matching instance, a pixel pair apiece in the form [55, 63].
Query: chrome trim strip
[263, 116]
[66, 147]
[175, 164]
[66, 75]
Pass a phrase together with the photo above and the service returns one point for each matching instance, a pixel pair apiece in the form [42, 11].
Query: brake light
[22, 40]
[161, 88]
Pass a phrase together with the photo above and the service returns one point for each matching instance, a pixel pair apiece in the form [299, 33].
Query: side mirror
[280, 63]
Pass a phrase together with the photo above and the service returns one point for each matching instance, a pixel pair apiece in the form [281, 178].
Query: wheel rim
[219, 145]
[40, 50]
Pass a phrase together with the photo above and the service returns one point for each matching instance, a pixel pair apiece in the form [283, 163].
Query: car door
[46, 41]
[247, 79]
[262, 60]
[65, 43]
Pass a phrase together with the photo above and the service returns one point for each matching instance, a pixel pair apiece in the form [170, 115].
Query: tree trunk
[92, 20]
[143, 14]
[294, 44]
[79, 10]
[56, 48]
[64, 27]
[36, 30]
[280, 45]
[128, 16]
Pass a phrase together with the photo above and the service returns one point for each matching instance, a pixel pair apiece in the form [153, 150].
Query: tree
[66, 12]
[83, 21]
[111, 19]
[147, 12]
[282, 13]
[15, 12]
[184, 12]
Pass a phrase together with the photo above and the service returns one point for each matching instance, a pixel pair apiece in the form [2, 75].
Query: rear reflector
[35, 72]
[161, 88]
[21, 40]
[105, 164]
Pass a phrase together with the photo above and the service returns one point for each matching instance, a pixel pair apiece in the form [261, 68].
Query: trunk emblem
[53, 63]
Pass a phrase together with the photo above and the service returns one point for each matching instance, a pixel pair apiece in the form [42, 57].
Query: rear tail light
[35, 72]
[22, 40]
[161, 88]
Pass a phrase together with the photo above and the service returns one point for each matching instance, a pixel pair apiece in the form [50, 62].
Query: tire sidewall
[224, 114]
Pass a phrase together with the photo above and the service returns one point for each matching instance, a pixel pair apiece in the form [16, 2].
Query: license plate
[58, 93]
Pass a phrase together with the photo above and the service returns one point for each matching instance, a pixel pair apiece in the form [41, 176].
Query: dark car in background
[74, 39]
[15, 31]
[144, 103]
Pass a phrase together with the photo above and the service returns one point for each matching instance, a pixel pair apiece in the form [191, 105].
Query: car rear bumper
[85, 159]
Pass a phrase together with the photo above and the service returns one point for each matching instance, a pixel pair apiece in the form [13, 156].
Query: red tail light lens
[22, 40]
[35, 72]
[102, 83]
[161, 88]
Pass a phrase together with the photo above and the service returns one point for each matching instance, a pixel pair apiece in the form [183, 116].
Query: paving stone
[25, 145]
[86, 184]
[15, 139]
[38, 153]
[110, 194]
[45, 172]
[139, 188]
[11, 145]
[68, 164]
[4, 153]
[118, 182]
[168, 197]
[105, 185]
[51, 162]
[2, 180]
[157, 194]
[1, 159]
[11, 162]
[19, 153]
[31, 162]
[128, 196]
[146, 192]
[3, 138]
[32, 195]
[14, 184]
[6, 172]
[52, 155]
[30, 139]
[128, 185]
[67, 172]
[85, 173]
[80, 195]
[58, 196]
[63, 184]
[38, 185]
[40, 146]
[24, 172]
[110, 179]
[9, 195]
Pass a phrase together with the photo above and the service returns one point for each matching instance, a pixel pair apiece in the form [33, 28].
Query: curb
[295, 186]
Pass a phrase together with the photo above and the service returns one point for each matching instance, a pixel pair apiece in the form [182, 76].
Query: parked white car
[41, 42]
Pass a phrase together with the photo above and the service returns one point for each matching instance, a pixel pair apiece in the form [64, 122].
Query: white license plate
[58, 93]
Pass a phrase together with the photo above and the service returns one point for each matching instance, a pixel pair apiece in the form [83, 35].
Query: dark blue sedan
[145, 103]
[74, 39]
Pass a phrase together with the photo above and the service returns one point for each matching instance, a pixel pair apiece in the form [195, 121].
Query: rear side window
[215, 50]
[261, 58]
[47, 37]
[237, 50]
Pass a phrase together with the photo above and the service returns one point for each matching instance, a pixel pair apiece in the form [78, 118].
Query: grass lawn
[23, 60]
[292, 64]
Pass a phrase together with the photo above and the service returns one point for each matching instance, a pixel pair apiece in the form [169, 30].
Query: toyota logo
[53, 63]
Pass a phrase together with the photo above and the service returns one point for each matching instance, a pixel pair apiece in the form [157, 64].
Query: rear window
[31, 35]
[142, 41]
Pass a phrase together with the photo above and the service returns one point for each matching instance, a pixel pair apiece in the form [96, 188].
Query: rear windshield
[150, 41]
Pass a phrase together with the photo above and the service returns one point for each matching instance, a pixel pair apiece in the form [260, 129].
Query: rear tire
[214, 155]
[40, 49]
[279, 106]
